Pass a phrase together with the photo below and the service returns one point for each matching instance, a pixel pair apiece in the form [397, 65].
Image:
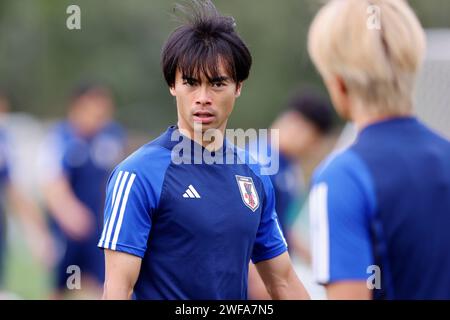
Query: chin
[204, 127]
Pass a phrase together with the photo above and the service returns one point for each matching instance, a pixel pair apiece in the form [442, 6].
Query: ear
[238, 89]
[339, 94]
[341, 85]
[172, 90]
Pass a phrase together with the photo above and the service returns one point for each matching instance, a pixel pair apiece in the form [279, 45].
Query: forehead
[207, 69]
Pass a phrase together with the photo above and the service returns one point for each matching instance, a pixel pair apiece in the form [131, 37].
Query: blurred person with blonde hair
[380, 209]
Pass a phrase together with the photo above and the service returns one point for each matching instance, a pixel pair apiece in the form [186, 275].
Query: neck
[212, 139]
[362, 119]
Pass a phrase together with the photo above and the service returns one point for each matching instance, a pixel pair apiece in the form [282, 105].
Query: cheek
[184, 103]
[227, 103]
[304, 134]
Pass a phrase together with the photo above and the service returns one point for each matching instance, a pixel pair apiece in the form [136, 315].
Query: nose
[203, 98]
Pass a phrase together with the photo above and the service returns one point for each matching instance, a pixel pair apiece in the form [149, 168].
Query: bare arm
[280, 278]
[348, 290]
[72, 215]
[121, 273]
[256, 288]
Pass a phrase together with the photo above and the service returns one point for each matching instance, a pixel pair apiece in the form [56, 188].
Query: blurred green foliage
[120, 43]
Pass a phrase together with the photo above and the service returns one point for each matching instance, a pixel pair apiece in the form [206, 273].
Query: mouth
[203, 117]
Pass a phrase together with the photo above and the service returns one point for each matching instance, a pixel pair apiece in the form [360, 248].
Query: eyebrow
[220, 79]
[213, 80]
[190, 78]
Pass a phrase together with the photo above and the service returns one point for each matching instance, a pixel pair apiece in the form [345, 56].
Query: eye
[218, 84]
[189, 82]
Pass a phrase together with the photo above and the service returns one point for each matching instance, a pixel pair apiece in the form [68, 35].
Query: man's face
[91, 113]
[204, 103]
[306, 134]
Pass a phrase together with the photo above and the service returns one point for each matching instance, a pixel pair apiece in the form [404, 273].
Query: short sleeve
[127, 218]
[270, 241]
[132, 198]
[342, 202]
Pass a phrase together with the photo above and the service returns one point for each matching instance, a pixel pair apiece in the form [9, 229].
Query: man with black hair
[76, 159]
[303, 127]
[307, 120]
[175, 230]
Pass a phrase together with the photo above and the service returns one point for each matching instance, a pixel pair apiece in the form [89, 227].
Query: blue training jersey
[86, 162]
[195, 226]
[287, 185]
[286, 180]
[385, 203]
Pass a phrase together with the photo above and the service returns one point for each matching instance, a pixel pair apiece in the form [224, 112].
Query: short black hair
[202, 42]
[313, 108]
[88, 88]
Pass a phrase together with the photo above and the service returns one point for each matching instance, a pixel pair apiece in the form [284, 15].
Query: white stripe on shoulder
[116, 184]
[112, 220]
[319, 229]
[115, 187]
[100, 243]
[122, 210]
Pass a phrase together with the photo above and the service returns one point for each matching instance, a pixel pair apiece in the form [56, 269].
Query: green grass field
[24, 277]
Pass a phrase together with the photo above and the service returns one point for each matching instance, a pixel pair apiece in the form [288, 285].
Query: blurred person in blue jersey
[13, 199]
[77, 157]
[182, 230]
[380, 209]
[302, 128]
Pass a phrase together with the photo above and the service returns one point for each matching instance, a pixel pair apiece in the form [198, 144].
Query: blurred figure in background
[76, 160]
[380, 210]
[13, 199]
[303, 127]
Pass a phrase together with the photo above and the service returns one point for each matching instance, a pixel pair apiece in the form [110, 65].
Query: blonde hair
[380, 64]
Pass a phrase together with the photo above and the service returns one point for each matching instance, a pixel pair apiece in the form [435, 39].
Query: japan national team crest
[248, 192]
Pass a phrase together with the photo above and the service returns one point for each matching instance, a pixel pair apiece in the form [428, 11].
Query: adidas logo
[191, 193]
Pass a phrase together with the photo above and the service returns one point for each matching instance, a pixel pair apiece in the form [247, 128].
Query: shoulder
[58, 133]
[56, 138]
[346, 162]
[114, 129]
[346, 177]
[145, 170]
[435, 138]
[60, 127]
[149, 161]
